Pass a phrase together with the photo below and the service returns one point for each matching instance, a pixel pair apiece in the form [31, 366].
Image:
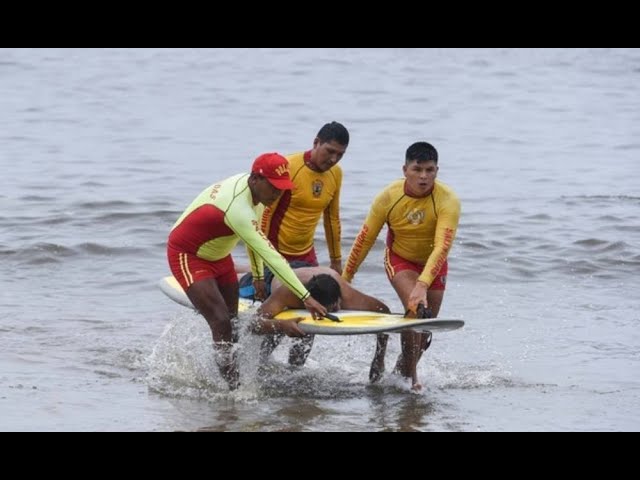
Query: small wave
[498, 244]
[54, 220]
[98, 249]
[628, 146]
[630, 198]
[627, 228]
[522, 261]
[613, 247]
[110, 204]
[42, 260]
[474, 245]
[49, 248]
[40, 254]
[590, 242]
[44, 253]
[158, 214]
[6, 251]
[37, 198]
[539, 217]
[7, 64]
[602, 246]
[545, 247]
[609, 218]
[19, 223]
[583, 267]
[93, 184]
[618, 262]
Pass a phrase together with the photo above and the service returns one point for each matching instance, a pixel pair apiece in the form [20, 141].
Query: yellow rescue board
[351, 322]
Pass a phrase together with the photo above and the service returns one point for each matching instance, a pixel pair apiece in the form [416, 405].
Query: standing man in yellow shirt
[422, 215]
[291, 222]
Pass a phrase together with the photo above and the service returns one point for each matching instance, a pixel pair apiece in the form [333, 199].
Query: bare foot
[416, 387]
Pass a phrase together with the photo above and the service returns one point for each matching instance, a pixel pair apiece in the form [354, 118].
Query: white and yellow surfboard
[351, 322]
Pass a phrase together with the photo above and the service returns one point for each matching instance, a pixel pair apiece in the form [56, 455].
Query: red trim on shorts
[310, 257]
[394, 264]
[189, 269]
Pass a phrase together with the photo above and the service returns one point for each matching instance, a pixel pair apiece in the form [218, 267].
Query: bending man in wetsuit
[200, 245]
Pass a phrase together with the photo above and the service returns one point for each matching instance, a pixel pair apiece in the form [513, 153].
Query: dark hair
[421, 152]
[334, 131]
[325, 289]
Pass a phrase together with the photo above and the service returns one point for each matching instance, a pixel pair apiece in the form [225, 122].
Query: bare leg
[300, 351]
[269, 344]
[377, 365]
[208, 299]
[407, 364]
[413, 343]
[434, 297]
[231, 295]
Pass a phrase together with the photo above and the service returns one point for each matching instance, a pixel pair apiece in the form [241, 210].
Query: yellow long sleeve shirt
[290, 224]
[421, 230]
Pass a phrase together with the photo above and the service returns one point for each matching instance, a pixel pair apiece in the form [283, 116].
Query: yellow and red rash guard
[218, 218]
[421, 230]
[290, 224]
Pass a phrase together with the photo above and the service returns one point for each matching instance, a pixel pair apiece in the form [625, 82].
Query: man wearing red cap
[200, 245]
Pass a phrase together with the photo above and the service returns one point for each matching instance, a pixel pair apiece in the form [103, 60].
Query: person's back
[193, 233]
[330, 289]
[350, 298]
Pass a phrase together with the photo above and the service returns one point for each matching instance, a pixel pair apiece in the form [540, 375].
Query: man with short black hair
[422, 215]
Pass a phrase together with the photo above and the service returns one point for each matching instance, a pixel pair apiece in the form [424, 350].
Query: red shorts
[188, 269]
[311, 258]
[394, 264]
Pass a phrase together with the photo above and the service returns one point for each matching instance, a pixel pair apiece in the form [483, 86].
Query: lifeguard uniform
[201, 241]
[421, 233]
[290, 224]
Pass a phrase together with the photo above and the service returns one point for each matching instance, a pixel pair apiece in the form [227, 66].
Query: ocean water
[101, 150]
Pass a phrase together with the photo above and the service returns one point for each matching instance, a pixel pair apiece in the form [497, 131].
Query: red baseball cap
[275, 168]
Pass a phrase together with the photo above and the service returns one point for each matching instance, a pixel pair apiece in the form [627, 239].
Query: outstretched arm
[242, 220]
[448, 218]
[367, 237]
[353, 299]
[275, 304]
[332, 225]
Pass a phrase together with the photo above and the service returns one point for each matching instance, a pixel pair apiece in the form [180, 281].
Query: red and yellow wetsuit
[290, 224]
[201, 241]
[421, 230]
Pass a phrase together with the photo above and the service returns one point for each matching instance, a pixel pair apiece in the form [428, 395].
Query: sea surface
[101, 151]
